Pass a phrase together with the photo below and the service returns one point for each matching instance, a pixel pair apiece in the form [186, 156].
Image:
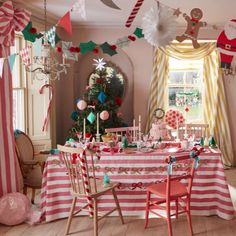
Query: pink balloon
[81, 104]
[104, 115]
[14, 208]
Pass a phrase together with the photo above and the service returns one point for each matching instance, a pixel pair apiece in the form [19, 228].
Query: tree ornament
[119, 101]
[193, 26]
[99, 63]
[91, 117]
[81, 104]
[102, 97]
[159, 26]
[74, 115]
[104, 115]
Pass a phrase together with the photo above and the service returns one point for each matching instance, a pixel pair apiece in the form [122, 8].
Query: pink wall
[140, 54]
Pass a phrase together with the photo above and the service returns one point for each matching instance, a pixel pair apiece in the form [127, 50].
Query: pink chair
[172, 190]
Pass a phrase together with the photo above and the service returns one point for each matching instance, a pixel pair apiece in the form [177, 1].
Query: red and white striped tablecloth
[210, 193]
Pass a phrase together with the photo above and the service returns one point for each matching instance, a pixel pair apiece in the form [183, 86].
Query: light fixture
[46, 67]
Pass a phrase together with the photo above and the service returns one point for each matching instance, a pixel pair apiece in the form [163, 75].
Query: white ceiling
[214, 11]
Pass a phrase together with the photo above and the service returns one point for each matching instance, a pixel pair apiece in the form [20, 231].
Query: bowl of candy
[106, 138]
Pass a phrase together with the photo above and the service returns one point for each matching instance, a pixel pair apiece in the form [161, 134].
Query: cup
[185, 144]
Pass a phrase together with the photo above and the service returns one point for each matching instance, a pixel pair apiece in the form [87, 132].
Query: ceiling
[215, 12]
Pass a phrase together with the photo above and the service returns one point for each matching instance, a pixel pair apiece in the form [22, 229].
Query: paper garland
[30, 33]
[65, 23]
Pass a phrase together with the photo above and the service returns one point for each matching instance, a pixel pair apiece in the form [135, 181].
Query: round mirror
[159, 113]
[115, 80]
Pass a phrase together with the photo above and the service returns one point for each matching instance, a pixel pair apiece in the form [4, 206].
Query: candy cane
[134, 13]
[86, 181]
[46, 119]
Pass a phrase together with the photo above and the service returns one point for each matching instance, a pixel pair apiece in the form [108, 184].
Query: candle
[84, 130]
[134, 130]
[139, 127]
[63, 60]
[97, 123]
[177, 124]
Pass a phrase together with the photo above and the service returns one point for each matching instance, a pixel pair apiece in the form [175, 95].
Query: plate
[146, 150]
[173, 150]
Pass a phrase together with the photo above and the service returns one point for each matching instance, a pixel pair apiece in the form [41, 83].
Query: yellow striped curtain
[215, 106]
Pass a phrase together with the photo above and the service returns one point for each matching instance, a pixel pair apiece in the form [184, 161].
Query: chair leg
[189, 217]
[33, 195]
[118, 206]
[70, 215]
[25, 190]
[147, 209]
[168, 219]
[176, 209]
[95, 217]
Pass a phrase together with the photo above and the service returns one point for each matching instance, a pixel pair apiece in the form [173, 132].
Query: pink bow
[11, 20]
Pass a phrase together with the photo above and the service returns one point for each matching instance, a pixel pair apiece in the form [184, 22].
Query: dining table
[135, 170]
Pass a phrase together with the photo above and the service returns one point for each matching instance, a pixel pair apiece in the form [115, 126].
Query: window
[19, 87]
[185, 88]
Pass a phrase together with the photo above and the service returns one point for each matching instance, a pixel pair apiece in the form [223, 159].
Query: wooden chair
[121, 131]
[173, 191]
[31, 169]
[84, 184]
[198, 130]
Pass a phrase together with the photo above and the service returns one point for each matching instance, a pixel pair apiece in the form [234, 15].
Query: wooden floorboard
[111, 226]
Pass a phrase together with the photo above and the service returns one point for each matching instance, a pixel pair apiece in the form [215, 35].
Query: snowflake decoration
[100, 64]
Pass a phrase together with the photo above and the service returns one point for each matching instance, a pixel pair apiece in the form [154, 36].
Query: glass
[174, 133]
[79, 135]
[145, 139]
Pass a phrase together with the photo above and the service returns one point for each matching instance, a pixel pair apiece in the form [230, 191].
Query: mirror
[115, 78]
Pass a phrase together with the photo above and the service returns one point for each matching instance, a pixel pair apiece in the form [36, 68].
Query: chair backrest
[81, 172]
[181, 168]
[24, 147]
[124, 131]
[198, 130]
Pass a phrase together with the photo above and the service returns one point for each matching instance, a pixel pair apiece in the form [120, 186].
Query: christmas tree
[102, 97]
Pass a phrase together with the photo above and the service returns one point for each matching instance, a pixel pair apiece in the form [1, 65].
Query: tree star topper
[100, 64]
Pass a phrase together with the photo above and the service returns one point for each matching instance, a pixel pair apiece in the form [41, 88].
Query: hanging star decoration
[177, 12]
[99, 63]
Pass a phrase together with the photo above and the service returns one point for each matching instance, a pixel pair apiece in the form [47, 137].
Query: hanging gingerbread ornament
[193, 26]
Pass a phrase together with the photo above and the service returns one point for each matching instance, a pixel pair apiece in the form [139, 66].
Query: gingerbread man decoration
[194, 24]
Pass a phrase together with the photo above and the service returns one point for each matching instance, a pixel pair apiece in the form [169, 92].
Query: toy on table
[159, 129]
[106, 180]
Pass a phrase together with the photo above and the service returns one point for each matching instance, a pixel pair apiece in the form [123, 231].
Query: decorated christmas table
[135, 171]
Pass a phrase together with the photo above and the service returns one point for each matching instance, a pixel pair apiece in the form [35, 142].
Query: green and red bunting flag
[66, 46]
[37, 47]
[87, 47]
[65, 23]
[11, 60]
[108, 49]
[30, 33]
[51, 36]
[139, 33]
[123, 42]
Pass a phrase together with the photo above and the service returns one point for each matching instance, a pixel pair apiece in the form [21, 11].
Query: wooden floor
[111, 226]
